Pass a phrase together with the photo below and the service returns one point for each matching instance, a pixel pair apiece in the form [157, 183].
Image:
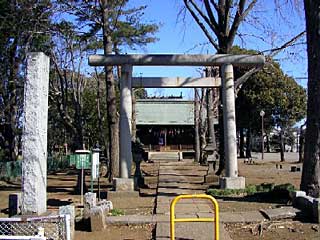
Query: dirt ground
[114, 232]
[61, 192]
[284, 230]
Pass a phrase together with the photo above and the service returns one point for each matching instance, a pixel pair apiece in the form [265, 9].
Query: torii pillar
[231, 180]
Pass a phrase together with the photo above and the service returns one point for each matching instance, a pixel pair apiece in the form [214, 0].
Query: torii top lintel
[176, 60]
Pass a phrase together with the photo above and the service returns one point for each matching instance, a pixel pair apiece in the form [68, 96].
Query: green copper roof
[164, 112]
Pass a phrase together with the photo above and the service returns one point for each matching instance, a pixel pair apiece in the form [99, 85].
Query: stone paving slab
[225, 217]
[181, 179]
[176, 185]
[177, 163]
[241, 217]
[182, 172]
[176, 191]
[185, 208]
[165, 200]
[192, 167]
[280, 213]
[190, 231]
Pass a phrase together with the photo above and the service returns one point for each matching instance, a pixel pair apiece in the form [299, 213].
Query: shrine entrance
[225, 61]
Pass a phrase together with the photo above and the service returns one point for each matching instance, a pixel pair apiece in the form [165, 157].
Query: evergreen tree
[117, 26]
[23, 28]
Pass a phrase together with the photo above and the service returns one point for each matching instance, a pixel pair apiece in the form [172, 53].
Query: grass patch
[282, 189]
[116, 212]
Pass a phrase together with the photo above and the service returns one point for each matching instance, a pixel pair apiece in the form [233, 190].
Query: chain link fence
[54, 227]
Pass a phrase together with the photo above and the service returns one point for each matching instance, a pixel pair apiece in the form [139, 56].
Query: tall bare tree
[310, 181]
[220, 21]
[67, 82]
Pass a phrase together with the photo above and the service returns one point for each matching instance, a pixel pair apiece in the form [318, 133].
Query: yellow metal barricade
[215, 217]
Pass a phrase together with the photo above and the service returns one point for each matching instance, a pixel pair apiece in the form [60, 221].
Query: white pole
[229, 120]
[125, 121]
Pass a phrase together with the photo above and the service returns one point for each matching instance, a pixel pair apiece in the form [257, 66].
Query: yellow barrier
[214, 219]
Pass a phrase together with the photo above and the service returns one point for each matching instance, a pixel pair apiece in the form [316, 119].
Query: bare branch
[241, 80]
[211, 22]
[240, 16]
[289, 43]
[215, 5]
[196, 46]
[201, 25]
[210, 14]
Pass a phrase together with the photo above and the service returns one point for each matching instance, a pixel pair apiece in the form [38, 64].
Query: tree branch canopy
[215, 20]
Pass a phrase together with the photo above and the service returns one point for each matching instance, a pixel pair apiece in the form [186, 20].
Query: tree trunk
[102, 141]
[196, 125]
[78, 135]
[241, 143]
[12, 100]
[113, 124]
[210, 72]
[310, 181]
[281, 145]
[134, 117]
[301, 144]
[268, 143]
[248, 143]
[221, 136]
[210, 113]
[203, 126]
[112, 114]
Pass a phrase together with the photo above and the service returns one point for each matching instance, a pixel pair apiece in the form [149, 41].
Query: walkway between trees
[171, 178]
[183, 177]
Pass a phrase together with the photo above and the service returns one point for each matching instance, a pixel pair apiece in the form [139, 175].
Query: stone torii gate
[226, 61]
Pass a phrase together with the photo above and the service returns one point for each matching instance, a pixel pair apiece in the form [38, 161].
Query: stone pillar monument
[34, 139]
[231, 181]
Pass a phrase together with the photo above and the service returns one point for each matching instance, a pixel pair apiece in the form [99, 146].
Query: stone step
[151, 185]
[178, 163]
[176, 192]
[183, 208]
[162, 200]
[182, 185]
[148, 172]
[148, 191]
[184, 167]
[182, 172]
[182, 179]
[147, 180]
[163, 156]
[191, 231]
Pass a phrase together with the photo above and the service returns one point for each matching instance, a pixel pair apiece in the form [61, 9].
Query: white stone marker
[34, 139]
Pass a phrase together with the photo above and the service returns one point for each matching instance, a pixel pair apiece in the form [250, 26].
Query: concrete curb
[225, 217]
